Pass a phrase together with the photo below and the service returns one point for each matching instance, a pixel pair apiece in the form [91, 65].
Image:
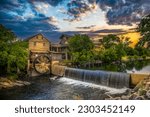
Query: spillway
[110, 79]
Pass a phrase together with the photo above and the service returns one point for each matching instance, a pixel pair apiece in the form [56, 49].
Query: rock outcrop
[6, 83]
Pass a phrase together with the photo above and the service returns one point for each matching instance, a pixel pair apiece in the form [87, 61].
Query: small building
[42, 53]
[39, 59]
[39, 43]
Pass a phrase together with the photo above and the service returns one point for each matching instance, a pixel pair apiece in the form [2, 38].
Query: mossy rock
[139, 98]
[141, 92]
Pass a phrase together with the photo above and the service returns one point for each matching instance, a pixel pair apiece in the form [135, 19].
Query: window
[34, 43]
[63, 56]
[39, 36]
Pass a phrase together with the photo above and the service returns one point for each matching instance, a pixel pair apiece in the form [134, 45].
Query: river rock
[18, 84]
[125, 97]
[147, 87]
[133, 96]
[148, 84]
[26, 83]
[6, 83]
[141, 91]
[139, 98]
[148, 94]
[117, 98]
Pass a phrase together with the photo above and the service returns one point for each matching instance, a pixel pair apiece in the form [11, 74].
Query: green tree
[110, 40]
[144, 29]
[115, 48]
[80, 47]
[13, 52]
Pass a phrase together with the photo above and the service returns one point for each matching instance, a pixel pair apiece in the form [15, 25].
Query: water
[69, 89]
[110, 79]
[60, 89]
[138, 66]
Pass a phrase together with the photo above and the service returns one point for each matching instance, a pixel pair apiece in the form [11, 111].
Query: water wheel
[42, 64]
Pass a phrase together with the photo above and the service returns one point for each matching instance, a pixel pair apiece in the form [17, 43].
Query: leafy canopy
[13, 52]
[144, 29]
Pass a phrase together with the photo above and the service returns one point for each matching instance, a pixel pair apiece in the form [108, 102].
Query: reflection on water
[142, 67]
[63, 88]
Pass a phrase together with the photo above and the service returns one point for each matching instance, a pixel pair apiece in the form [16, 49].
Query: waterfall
[111, 79]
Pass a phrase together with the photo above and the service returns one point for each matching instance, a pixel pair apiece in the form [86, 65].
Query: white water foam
[92, 85]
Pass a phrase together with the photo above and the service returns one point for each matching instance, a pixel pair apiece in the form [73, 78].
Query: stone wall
[58, 70]
[136, 78]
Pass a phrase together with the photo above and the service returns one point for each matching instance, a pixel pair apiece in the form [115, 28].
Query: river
[60, 89]
[42, 88]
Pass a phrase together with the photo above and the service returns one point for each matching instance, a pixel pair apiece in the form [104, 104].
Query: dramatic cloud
[27, 17]
[86, 27]
[77, 8]
[118, 12]
[124, 12]
[24, 19]
[51, 2]
[52, 20]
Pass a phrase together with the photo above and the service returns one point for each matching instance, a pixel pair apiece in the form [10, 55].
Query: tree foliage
[13, 52]
[144, 29]
[80, 47]
[110, 41]
[114, 48]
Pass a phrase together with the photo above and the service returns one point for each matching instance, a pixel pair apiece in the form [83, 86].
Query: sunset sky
[54, 17]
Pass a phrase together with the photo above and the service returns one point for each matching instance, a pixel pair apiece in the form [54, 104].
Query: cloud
[51, 2]
[21, 17]
[78, 8]
[109, 31]
[86, 27]
[52, 20]
[118, 12]
[124, 12]
[41, 7]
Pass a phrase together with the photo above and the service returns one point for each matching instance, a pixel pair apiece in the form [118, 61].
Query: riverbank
[6, 83]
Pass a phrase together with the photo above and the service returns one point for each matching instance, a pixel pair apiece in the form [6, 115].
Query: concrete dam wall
[111, 79]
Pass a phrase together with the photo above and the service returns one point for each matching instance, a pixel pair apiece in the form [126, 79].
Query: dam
[106, 78]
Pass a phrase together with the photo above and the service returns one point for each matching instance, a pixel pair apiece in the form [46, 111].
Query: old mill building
[40, 44]
[42, 52]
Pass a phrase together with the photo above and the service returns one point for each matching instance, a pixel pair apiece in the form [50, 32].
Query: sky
[55, 17]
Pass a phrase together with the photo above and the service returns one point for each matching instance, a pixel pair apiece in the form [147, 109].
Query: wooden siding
[39, 43]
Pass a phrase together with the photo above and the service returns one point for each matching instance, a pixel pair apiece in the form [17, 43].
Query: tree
[13, 54]
[80, 47]
[6, 35]
[110, 40]
[144, 29]
[114, 48]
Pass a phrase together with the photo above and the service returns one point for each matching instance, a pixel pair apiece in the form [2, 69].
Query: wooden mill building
[42, 52]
